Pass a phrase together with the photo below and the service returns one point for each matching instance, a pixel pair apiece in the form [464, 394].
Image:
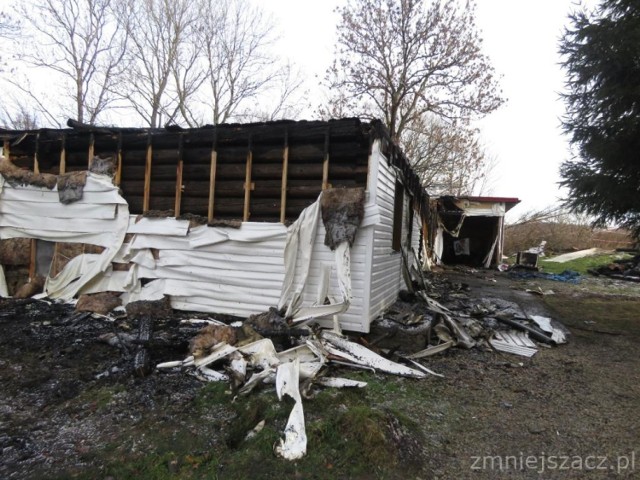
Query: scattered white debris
[294, 444]
[557, 334]
[567, 257]
[514, 342]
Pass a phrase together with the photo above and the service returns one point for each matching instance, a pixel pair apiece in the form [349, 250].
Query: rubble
[299, 358]
[31, 288]
[101, 303]
[622, 269]
[400, 342]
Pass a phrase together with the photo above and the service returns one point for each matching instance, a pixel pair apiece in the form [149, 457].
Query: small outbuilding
[470, 229]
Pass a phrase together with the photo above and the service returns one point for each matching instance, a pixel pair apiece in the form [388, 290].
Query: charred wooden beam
[142, 359]
[147, 175]
[213, 168]
[178, 191]
[285, 178]
[32, 260]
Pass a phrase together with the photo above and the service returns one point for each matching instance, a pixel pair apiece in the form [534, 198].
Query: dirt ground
[70, 405]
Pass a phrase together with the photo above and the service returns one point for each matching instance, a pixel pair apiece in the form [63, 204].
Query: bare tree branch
[402, 59]
[162, 40]
[448, 157]
[79, 41]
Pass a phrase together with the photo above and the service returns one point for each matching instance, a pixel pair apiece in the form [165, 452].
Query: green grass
[619, 315]
[581, 265]
[349, 435]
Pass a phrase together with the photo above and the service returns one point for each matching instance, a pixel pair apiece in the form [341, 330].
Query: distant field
[563, 237]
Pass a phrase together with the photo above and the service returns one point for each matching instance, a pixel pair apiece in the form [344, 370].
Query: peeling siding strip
[159, 226]
[13, 212]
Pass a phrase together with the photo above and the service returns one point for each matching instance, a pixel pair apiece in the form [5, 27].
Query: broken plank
[325, 162]
[91, 151]
[285, 178]
[179, 186]
[212, 183]
[147, 175]
[118, 176]
[247, 185]
[62, 167]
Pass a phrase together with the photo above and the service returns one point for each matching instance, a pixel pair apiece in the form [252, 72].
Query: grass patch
[581, 265]
[98, 398]
[614, 314]
[212, 393]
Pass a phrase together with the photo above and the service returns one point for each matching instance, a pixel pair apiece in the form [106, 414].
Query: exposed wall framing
[257, 172]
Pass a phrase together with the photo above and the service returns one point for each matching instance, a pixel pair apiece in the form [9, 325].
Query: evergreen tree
[601, 55]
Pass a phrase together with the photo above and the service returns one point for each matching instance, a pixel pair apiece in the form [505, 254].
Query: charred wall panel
[261, 172]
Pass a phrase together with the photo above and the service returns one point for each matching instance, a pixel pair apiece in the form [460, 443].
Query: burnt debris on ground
[622, 269]
[151, 340]
[176, 351]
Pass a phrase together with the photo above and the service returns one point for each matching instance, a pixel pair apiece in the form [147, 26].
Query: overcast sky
[521, 38]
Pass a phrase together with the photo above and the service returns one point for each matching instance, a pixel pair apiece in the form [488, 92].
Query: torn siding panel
[158, 226]
[416, 230]
[322, 258]
[44, 217]
[234, 271]
[386, 276]
[481, 209]
[19, 209]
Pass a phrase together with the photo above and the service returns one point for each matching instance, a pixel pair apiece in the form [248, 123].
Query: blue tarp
[568, 276]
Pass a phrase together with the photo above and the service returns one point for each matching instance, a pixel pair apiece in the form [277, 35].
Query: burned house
[315, 217]
[469, 230]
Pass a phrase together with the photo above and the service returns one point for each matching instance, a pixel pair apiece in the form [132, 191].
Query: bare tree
[9, 27]
[402, 59]
[448, 157]
[162, 36]
[284, 98]
[22, 117]
[241, 72]
[78, 43]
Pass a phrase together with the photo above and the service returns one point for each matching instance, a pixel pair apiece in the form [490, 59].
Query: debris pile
[264, 349]
[427, 327]
[623, 269]
[222, 352]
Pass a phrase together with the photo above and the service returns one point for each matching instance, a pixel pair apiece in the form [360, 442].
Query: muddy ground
[70, 405]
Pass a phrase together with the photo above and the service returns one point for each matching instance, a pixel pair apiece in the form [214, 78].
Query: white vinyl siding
[356, 318]
[386, 274]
